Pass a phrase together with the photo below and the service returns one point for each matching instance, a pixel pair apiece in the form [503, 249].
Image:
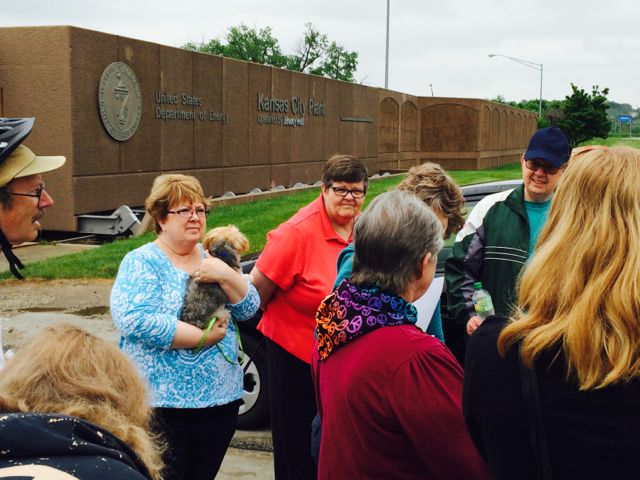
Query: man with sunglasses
[23, 197]
[499, 235]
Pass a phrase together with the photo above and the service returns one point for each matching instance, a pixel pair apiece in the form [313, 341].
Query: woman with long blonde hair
[74, 403]
[555, 393]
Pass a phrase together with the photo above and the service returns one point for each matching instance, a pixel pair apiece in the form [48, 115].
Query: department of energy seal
[120, 101]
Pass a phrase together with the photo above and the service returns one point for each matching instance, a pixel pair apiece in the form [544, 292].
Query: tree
[308, 52]
[339, 63]
[245, 43]
[585, 115]
[314, 53]
[551, 109]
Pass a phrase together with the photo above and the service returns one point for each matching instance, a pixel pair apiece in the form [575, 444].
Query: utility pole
[386, 60]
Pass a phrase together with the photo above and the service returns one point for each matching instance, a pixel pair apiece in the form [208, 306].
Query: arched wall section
[408, 127]
[388, 132]
[449, 128]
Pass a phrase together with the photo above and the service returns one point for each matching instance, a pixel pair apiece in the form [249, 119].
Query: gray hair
[392, 237]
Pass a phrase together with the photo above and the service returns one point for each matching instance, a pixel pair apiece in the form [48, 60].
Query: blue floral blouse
[146, 301]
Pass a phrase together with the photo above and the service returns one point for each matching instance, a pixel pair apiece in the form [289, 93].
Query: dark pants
[293, 406]
[197, 439]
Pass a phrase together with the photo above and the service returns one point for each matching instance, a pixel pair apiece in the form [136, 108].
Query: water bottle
[482, 302]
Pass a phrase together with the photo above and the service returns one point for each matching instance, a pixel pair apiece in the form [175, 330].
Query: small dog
[205, 300]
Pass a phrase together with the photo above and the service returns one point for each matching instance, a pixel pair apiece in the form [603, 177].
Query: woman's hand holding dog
[218, 331]
[214, 270]
[189, 336]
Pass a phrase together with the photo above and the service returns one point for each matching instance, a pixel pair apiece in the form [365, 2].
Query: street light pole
[527, 63]
[386, 60]
[431, 85]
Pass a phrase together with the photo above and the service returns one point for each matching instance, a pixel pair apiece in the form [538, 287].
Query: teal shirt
[345, 264]
[537, 213]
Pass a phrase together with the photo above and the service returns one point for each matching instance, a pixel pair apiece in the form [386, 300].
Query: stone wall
[234, 125]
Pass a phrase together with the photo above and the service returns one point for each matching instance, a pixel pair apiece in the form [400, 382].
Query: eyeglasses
[37, 193]
[188, 212]
[535, 165]
[343, 192]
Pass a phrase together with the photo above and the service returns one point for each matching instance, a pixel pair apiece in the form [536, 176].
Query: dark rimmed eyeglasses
[37, 193]
[343, 192]
[188, 212]
[536, 164]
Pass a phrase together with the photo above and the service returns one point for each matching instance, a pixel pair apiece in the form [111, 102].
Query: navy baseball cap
[549, 144]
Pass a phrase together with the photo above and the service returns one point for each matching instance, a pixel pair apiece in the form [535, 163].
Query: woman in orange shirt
[294, 273]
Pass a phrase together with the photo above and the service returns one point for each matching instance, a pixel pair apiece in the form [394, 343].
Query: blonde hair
[170, 190]
[431, 184]
[68, 371]
[581, 292]
[230, 234]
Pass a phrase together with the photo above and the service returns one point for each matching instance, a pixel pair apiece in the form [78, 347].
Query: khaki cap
[23, 162]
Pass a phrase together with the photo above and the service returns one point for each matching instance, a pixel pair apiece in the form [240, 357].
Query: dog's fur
[205, 300]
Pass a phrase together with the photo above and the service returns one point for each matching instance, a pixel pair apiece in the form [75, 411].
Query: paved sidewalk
[33, 252]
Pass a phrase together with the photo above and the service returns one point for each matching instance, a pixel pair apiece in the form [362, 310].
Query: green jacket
[492, 247]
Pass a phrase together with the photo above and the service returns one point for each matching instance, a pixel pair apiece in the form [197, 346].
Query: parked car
[254, 412]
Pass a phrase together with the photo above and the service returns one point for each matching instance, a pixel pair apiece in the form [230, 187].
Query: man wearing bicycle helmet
[23, 197]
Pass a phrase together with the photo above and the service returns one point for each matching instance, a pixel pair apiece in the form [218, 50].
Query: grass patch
[254, 219]
[613, 142]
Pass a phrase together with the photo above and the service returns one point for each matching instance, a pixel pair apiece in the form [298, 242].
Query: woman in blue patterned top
[195, 391]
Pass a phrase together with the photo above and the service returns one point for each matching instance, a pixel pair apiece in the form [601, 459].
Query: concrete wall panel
[280, 135]
[317, 123]
[347, 127]
[389, 121]
[449, 127]
[94, 152]
[280, 175]
[208, 132]
[235, 100]
[259, 143]
[308, 172]
[408, 127]
[371, 129]
[176, 140]
[332, 118]
[299, 109]
[244, 179]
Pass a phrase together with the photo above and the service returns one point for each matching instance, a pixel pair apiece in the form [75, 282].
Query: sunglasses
[534, 165]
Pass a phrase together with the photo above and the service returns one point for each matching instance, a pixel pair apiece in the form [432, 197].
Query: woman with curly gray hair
[431, 184]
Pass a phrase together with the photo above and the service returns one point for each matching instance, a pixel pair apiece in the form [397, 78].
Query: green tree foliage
[314, 53]
[245, 43]
[309, 51]
[585, 115]
[339, 63]
[551, 109]
[580, 115]
[614, 109]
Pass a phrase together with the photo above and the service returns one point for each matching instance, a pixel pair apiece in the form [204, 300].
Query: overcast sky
[444, 44]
